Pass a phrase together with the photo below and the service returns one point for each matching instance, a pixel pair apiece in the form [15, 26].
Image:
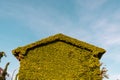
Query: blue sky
[93, 21]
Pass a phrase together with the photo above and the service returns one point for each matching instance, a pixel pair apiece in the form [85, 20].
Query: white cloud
[48, 19]
[90, 4]
[104, 26]
[108, 31]
[114, 77]
[42, 19]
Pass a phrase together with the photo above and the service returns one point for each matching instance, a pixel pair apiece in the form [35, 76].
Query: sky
[93, 21]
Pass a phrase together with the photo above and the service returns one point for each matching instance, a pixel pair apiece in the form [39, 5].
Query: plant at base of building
[3, 72]
[2, 54]
[103, 72]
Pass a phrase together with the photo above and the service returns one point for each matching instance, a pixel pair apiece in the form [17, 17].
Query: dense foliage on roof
[20, 52]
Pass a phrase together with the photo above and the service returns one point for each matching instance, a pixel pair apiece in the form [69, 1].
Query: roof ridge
[58, 37]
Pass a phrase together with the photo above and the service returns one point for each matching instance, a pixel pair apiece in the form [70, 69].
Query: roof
[21, 51]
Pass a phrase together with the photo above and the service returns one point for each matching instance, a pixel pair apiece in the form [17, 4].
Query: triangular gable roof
[21, 51]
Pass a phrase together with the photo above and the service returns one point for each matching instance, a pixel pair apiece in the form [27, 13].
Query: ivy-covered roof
[22, 51]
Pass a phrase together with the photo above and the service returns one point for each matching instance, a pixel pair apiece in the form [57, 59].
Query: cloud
[46, 19]
[114, 77]
[41, 20]
[42, 17]
[90, 4]
[108, 31]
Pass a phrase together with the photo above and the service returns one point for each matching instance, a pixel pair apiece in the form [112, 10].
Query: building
[59, 57]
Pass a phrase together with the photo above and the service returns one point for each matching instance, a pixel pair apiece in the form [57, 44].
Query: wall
[59, 61]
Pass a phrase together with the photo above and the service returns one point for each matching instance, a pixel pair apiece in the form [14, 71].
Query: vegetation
[59, 57]
[2, 54]
[3, 72]
[63, 62]
[20, 52]
[103, 72]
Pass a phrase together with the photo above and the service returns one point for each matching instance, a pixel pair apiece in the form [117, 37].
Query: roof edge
[21, 51]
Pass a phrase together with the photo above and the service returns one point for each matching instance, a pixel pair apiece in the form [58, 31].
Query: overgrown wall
[59, 61]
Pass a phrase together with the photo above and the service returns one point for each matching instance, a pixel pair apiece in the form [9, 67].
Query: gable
[22, 51]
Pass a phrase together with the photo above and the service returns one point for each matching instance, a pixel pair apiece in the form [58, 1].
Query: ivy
[59, 57]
